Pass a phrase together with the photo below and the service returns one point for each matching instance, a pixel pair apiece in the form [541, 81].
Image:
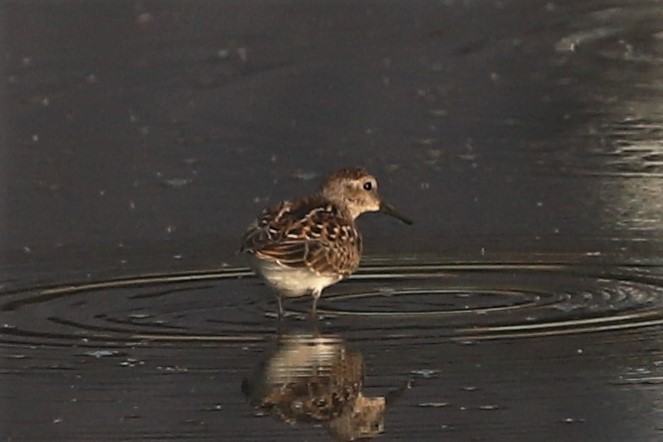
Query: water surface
[140, 138]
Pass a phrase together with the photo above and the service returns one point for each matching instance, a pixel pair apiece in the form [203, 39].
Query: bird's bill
[390, 210]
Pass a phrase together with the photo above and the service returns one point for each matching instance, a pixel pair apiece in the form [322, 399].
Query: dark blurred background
[135, 128]
[143, 136]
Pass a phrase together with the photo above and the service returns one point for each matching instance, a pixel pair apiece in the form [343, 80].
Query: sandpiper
[301, 246]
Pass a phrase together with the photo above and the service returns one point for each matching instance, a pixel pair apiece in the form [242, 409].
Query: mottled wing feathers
[309, 232]
[334, 260]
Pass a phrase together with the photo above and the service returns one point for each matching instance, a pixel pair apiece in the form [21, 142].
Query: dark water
[139, 139]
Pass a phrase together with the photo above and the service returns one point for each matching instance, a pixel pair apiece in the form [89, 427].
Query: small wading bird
[299, 247]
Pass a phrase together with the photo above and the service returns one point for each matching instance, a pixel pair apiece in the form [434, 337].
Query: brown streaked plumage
[304, 245]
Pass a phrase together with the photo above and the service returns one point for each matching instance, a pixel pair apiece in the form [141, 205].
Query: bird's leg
[280, 306]
[316, 295]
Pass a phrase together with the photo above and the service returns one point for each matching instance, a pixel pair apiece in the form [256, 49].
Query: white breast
[292, 282]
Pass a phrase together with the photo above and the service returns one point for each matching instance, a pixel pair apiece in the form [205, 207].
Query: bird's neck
[347, 209]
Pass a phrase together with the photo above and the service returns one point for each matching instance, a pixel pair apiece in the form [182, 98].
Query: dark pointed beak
[389, 210]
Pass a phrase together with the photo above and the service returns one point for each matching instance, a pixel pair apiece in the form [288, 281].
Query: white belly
[292, 282]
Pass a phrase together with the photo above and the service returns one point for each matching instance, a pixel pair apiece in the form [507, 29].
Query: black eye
[368, 185]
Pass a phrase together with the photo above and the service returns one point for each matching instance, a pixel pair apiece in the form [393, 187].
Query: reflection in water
[430, 301]
[317, 378]
[613, 55]
[528, 130]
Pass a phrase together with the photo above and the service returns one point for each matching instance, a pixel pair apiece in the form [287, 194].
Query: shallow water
[458, 349]
[140, 138]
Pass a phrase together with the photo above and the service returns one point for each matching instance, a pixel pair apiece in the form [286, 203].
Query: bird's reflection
[310, 377]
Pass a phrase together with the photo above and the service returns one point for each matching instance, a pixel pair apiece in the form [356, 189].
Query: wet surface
[140, 138]
[468, 349]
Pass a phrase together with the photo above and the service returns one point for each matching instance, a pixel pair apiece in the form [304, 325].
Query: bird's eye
[368, 185]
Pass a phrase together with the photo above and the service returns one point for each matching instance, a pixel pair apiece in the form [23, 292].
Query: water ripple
[464, 302]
